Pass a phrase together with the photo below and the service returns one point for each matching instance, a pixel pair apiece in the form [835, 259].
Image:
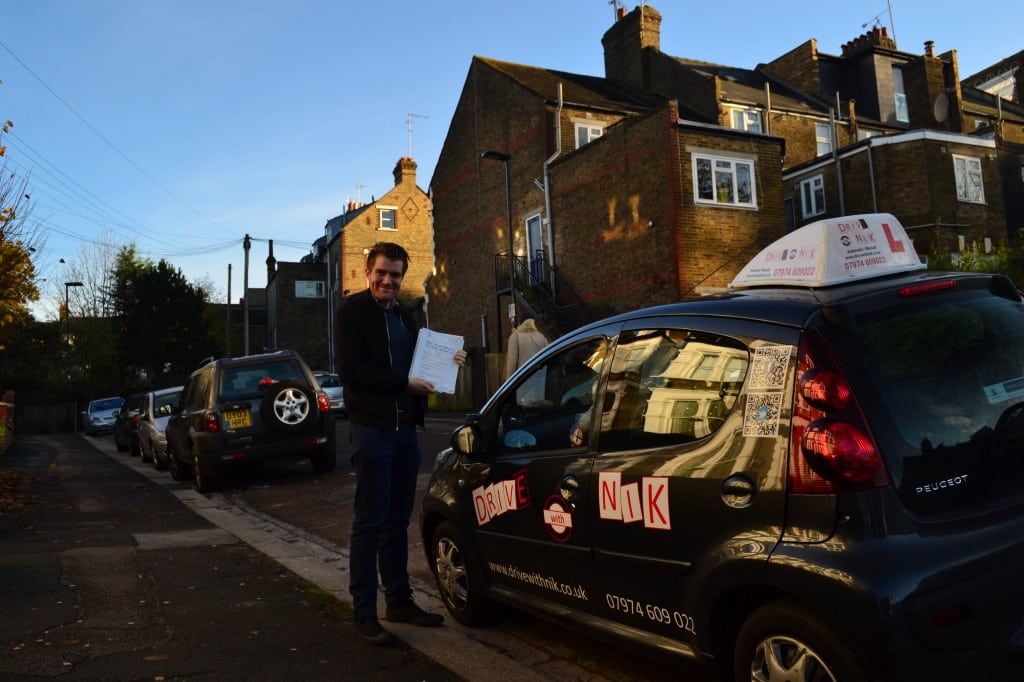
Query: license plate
[238, 419]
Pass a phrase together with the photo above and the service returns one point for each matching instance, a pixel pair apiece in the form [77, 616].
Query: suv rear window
[950, 374]
[244, 381]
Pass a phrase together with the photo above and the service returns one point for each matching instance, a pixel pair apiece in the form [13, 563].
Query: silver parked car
[331, 385]
[98, 418]
[157, 407]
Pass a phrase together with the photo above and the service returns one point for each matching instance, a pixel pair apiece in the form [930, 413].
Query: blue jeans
[387, 464]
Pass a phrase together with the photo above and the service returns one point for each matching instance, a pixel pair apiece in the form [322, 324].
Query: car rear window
[244, 381]
[949, 372]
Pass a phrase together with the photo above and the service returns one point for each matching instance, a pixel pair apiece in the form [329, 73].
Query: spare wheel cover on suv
[288, 406]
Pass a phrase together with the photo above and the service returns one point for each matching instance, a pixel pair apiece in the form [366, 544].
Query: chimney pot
[929, 48]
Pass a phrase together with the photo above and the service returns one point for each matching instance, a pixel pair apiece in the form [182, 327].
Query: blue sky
[183, 125]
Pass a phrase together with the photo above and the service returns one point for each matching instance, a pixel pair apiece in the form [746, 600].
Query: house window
[748, 119]
[587, 133]
[823, 138]
[721, 180]
[812, 196]
[387, 218]
[967, 170]
[310, 288]
[899, 96]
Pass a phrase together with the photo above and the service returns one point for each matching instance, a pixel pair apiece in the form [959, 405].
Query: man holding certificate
[376, 342]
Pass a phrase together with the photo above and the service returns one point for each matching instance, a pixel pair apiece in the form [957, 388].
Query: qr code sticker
[769, 370]
[761, 415]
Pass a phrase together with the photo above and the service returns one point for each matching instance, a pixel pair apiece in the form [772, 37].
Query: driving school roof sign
[833, 251]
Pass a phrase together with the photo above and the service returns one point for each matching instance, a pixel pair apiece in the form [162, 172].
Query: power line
[107, 141]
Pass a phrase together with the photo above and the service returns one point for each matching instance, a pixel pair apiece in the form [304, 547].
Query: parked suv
[818, 475]
[239, 412]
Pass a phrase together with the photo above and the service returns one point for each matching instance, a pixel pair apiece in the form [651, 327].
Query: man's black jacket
[364, 357]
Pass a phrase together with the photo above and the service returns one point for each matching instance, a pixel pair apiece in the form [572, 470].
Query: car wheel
[202, 480]
[179, 471]
[459, 578]
[121, 445]
[144, 453]
[288, 406]
[325, 459]
[784, 641]
[135, 447]
[159, 462]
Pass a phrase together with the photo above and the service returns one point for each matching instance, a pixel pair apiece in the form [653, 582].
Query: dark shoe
[408, 612]
[371, 632]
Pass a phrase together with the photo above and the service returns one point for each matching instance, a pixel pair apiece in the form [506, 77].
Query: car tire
[459, 578]
[202, 479]
[288, 407]
[325, 459]
[144, 455]
[179, 471]
[782, 637]
[159, 463]
[135, 447]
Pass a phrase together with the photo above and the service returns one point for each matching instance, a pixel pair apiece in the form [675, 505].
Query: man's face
[384, 279]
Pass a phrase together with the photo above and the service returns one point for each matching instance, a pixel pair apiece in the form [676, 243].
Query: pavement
[113, 571]
[109, 573]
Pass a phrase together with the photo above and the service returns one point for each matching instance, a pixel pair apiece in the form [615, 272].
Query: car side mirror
[466, 439]
[115, 414]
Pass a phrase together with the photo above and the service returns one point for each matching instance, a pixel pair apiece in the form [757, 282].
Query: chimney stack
[929, 48]
[626, 42]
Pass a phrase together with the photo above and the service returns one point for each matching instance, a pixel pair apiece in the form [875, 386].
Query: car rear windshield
[328, 380]
[949, 374]
[245, 381]
[105, 404]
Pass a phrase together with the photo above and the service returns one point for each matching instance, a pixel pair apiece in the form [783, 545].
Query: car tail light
[323, 402]
[831, 447]
[211, 421]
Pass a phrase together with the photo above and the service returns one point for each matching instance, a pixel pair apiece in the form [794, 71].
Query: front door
[530, 527]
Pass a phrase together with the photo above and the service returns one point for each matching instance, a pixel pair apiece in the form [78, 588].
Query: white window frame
[970, 186]
[306, 288]
[823, 138]
[747, 118]
[587, 133]
[717, 180]
[393, 211]
[812, 196]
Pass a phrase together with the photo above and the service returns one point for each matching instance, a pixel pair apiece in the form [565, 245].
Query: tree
[160, 318]
[18, 240]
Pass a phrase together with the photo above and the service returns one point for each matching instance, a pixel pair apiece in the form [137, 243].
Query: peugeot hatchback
[817, 475]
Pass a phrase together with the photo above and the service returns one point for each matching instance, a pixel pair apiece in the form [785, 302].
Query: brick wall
[470, 224]
[301, 323]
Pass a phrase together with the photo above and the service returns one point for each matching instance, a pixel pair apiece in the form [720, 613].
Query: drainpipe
[547, 178]
[768, 103]
[835, 158]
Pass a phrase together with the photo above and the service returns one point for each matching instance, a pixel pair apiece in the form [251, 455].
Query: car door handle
[568, 488]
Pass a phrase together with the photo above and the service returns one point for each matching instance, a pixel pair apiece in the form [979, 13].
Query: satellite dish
[940, 110]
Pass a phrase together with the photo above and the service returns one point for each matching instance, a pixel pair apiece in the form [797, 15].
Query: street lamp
[67, 309]
[506, 158]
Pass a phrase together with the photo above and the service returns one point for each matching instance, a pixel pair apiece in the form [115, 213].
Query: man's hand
[419, 386]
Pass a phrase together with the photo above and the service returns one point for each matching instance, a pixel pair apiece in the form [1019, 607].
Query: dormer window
[747, 118]
[899, 96]
[587, 133]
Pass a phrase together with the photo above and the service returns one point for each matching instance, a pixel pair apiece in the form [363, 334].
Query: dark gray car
[242, 412]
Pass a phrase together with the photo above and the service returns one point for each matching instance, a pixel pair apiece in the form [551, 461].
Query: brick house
[599, 171]
[668, 173]
[302, 298]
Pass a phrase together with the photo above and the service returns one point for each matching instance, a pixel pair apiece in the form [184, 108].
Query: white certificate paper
[434, 359]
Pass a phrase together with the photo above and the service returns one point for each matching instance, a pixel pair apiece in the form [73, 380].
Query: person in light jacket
[524, 341]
